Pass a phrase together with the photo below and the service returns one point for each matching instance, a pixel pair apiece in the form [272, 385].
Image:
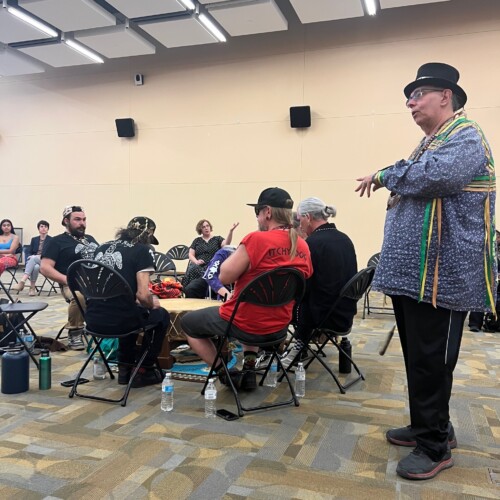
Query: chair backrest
[163, 263]
[273, 288]
[354, 289]
[178, 252]
[373, 260]
[97, 281]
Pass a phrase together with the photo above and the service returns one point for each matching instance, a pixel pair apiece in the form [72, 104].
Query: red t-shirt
[266, 250]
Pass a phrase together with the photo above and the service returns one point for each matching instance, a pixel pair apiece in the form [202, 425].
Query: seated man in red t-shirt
[275, 244]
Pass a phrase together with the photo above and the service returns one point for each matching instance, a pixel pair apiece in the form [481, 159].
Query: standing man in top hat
[61, 251]
[438, 257]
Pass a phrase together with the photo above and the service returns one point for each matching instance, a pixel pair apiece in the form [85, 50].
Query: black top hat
[438, 75]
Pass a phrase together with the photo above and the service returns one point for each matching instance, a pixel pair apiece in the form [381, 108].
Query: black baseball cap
[144, 224]
[273, 197]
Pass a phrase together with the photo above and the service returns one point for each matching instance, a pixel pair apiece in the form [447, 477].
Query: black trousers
[430, 338]
[127, 353]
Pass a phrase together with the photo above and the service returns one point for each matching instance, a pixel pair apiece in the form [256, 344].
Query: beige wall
[213, 126]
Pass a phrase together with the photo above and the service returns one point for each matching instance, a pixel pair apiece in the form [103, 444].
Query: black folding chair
[271, 289]
[98, 282]
[21, 309]
[11, 271]
[352, 290]
[164, 266]
[179, 252]
[367, 309]
[51, 286]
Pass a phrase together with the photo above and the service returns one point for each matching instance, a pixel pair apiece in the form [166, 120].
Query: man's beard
[78, 232]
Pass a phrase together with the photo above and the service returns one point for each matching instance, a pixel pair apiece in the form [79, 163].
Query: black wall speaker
[300, 116]
[125, 127]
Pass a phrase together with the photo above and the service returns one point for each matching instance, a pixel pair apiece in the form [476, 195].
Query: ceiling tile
[69, 15]
[246, 17]
[116, 41]
[14, 63]
[388, 4]
[142, 8]
[313, 11]
[179, 32]
[56, 54]
[13, 29]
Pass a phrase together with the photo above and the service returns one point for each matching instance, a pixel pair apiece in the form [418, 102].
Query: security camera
[139, 79]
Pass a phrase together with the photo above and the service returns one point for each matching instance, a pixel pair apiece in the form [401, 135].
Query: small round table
[178, 308]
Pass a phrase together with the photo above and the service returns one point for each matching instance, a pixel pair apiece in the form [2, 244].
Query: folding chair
[12, 270]
[98, 282]
[164, 266]
[179, 252]
[352, 290]
[373, 262]
[271, 289]
[21, 308]
[51, 284]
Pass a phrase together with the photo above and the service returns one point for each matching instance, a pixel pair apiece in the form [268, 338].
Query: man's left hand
[366, 185]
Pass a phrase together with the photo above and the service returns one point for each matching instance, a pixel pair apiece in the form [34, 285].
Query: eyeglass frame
[417, 94]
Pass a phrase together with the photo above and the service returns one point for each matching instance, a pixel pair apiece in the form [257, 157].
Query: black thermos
[344, 363]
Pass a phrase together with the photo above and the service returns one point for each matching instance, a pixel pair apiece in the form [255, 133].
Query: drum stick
[387, 340]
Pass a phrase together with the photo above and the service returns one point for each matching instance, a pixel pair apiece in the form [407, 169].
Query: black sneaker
[124, 372]
[418, 465]
[249, 380]
[146, 377]
[404, 436]
[235, 375]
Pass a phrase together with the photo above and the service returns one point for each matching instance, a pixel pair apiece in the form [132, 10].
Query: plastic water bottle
[300, 381]
[28, 340]
[99, 368]
[210, 399]
[167, 393]
[272, 375]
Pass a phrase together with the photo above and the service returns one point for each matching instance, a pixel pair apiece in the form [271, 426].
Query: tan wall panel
[66, 159]
[256, 90]
[66, 105]
[239, 153]
[213, 125]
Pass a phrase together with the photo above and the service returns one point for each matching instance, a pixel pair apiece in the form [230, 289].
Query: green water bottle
[45, 372]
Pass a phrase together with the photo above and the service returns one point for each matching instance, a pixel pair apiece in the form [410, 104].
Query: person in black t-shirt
[334, 262]
[132, 256]
[59, 253]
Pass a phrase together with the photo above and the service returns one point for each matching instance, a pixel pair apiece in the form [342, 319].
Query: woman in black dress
[203, 249]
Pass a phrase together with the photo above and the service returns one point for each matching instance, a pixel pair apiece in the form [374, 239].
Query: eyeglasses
[259, 208]
[419, 93]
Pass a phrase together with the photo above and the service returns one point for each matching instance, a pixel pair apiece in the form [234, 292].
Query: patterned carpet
[332, 446]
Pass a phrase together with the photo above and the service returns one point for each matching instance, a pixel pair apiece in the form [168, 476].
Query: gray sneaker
[404, 436]
[418, 465]
[75, 340]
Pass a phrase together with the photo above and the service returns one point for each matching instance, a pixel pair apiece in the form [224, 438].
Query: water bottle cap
[44, 353]
[301, 364]
[211, 381]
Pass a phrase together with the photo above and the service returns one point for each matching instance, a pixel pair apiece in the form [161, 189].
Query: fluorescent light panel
[210, 26]
[84, 51]
[188, 4]
[32, 21]
[371, 7]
